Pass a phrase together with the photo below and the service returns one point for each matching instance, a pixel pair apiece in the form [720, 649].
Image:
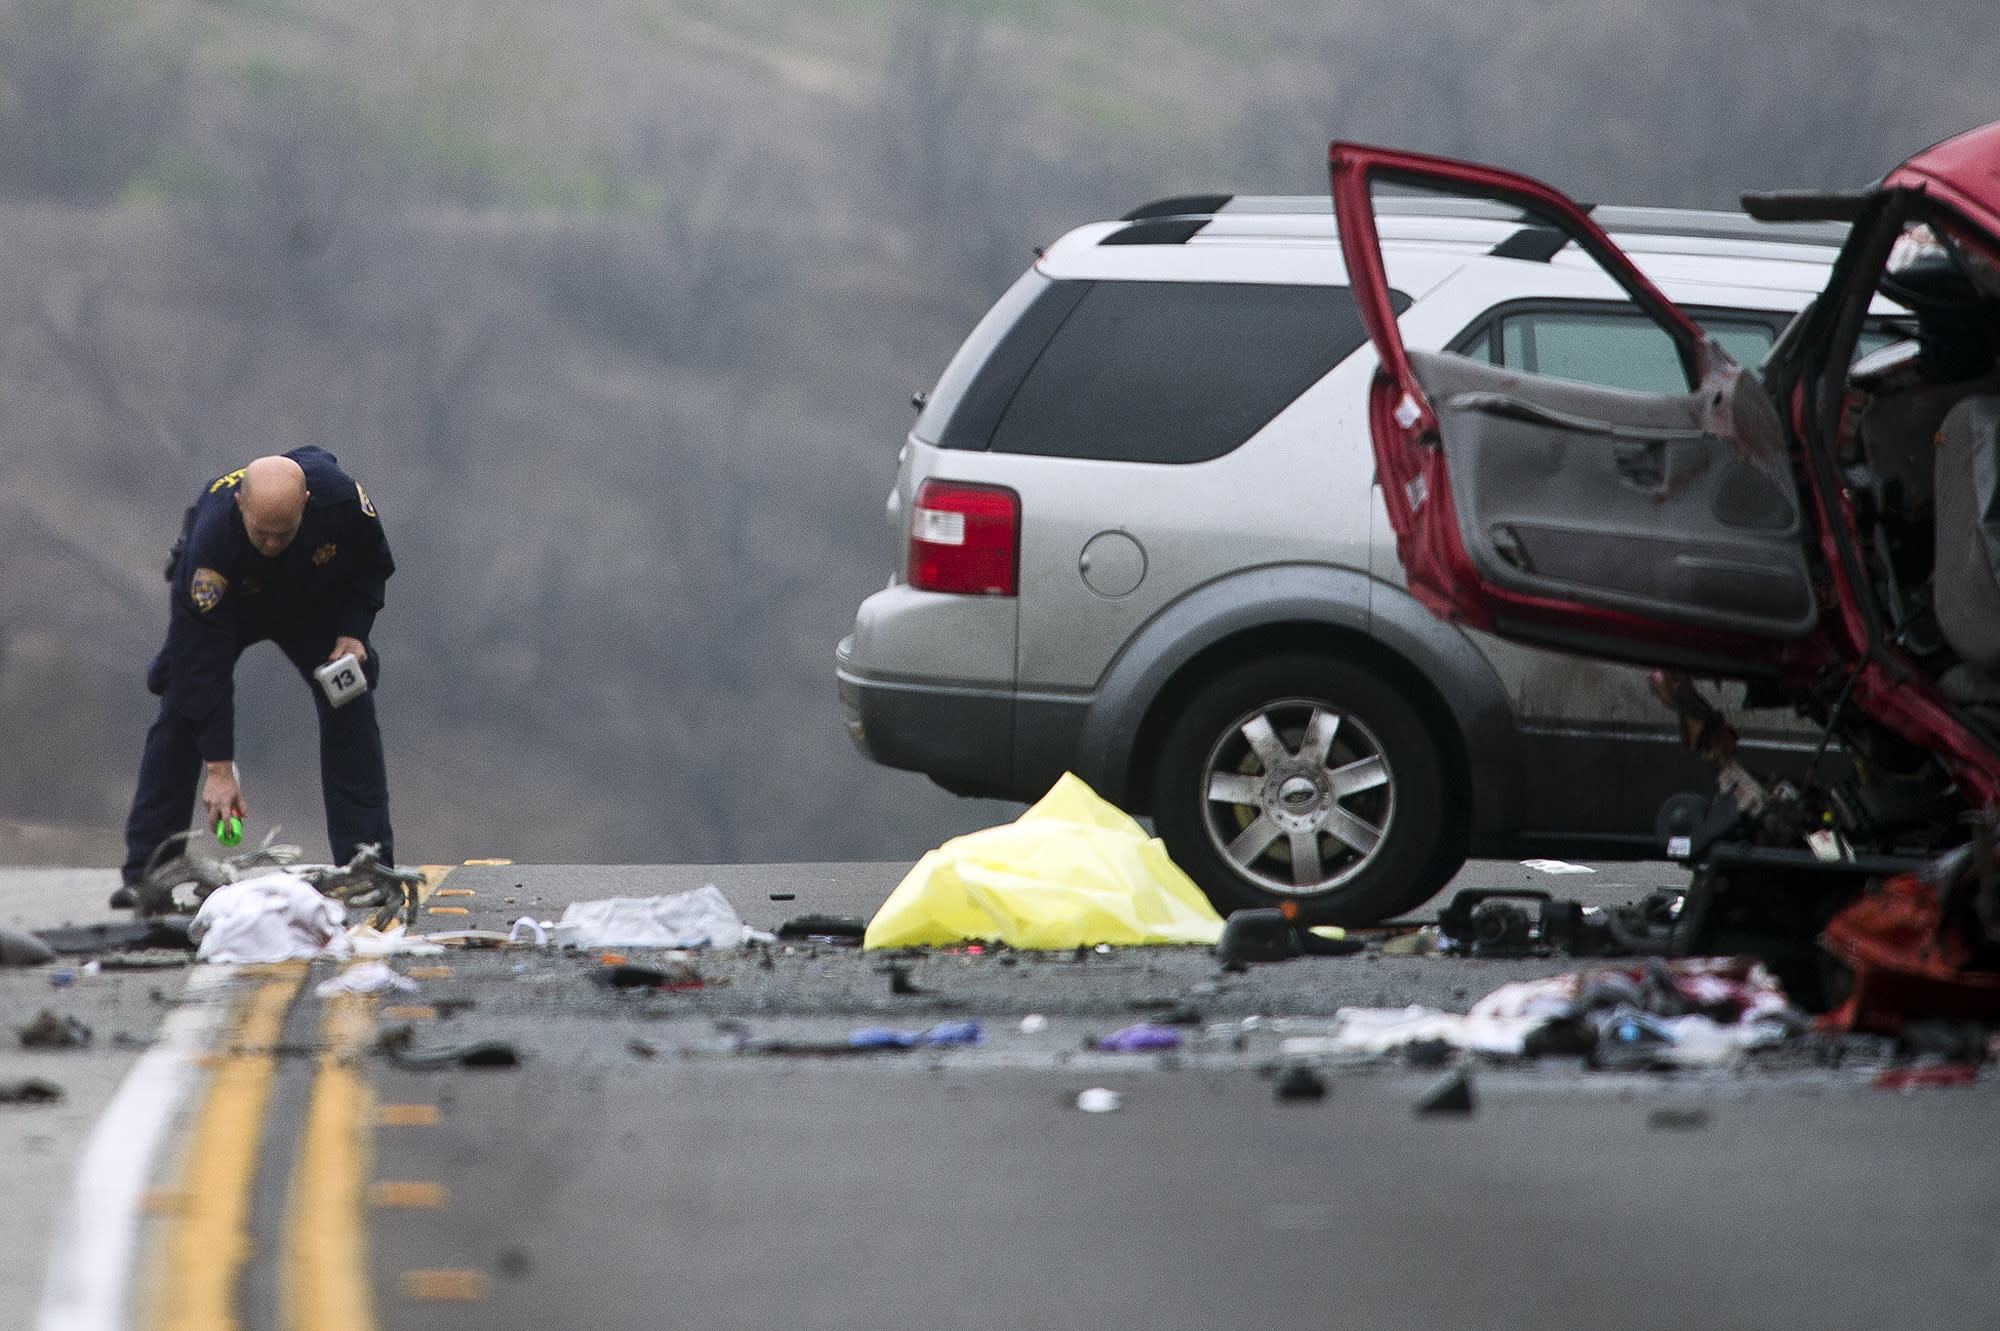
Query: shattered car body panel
[1826, 527]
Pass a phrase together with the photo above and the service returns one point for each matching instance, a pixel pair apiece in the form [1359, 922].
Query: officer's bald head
[272, 498]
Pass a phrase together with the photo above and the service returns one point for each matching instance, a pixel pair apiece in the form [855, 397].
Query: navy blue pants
[352, 778]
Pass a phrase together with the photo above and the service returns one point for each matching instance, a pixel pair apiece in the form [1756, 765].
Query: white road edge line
[90, 1261]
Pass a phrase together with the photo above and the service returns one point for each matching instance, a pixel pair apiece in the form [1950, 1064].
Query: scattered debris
[942, 1034]
[31, 1091]
[394, 941]
[1143, 1038]
[1422, 942]
[19, 949]
[145, 959]
[1689, 1011]
[899, 980]
[276, 917]
[1173, 1011]
[1073, 870]
[470, 938]
[1453, 1095]
[699, 918]
[1427, 1053]
[824, 928]
[1928, 1076]
[538, 930]
[53, 1030]
[1946, 1041]
[1632, 1041]
[1300, 1082]
[1911, 954]
[363, 881]
[365, 977]
[166, 932]
[1252, 936]
[1098, 1100]
[398, 1042]
[1326, 940]
[675, 978]
[1677, 1118]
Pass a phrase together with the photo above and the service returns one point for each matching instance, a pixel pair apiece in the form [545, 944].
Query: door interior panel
[1617, 499]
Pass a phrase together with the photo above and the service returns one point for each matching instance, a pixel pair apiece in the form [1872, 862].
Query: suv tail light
[965, 538]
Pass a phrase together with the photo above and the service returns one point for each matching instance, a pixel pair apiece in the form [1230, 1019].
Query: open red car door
[1664, 528]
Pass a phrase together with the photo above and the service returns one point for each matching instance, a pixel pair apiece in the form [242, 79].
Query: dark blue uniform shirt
[327, 583]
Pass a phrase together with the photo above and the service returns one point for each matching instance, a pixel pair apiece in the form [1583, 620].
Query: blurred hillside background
[615, 306]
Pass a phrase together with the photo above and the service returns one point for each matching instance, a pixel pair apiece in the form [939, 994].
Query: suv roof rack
[1707, 224]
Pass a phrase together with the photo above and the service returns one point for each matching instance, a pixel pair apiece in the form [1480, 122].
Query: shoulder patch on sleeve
[229, 482]
[362, 494]
[205, 589]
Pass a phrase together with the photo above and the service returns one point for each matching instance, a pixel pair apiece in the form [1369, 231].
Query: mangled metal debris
[364, 881]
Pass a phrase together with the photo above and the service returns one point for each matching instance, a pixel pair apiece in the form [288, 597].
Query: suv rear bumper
[961, 737]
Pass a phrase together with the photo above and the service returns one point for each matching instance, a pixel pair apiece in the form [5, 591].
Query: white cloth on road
[365, 977]
[276, 916]
[684, 919]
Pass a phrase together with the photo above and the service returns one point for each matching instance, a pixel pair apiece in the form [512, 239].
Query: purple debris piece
[1139, 1039]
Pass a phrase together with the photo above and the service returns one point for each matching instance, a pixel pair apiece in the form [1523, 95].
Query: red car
[1825, 528]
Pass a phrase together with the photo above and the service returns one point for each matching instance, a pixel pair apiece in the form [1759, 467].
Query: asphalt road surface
[658, 1158]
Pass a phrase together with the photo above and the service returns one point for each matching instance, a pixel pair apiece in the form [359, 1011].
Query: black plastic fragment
[1677, 1118]
[823, 926]
[398, 1043]
[54, 1030]
[1427, 1053]
[31, 1091]
[1452, 1096]
[1253, 936]
[1301, 1083]
[899, 980]
[165, 931]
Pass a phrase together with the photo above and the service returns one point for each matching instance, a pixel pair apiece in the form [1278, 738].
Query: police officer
[289, 548]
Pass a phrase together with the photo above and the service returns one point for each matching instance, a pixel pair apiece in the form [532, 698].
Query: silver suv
[1138, 538]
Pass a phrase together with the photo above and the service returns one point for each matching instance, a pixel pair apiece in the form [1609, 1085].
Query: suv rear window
[1151, 371]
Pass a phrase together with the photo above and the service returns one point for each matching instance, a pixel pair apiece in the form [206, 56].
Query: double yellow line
[323, 1280]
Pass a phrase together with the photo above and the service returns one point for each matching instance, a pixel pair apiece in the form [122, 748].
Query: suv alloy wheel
[1309, 780]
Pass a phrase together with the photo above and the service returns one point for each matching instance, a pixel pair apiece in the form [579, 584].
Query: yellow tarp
[1071, 870]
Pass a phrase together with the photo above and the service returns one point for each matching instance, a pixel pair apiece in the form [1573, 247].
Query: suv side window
[1608, 345]
[1176, 372]
[1151, 371]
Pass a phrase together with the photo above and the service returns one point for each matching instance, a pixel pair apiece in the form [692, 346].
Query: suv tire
[1307, 755]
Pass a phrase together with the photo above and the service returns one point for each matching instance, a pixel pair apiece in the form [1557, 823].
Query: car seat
[1966, 585]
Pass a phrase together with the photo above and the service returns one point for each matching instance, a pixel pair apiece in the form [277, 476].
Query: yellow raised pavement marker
[407, 1116]
[407, 1192]
[446, 1286]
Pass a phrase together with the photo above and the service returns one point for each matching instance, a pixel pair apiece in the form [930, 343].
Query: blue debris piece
[944, 1033]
